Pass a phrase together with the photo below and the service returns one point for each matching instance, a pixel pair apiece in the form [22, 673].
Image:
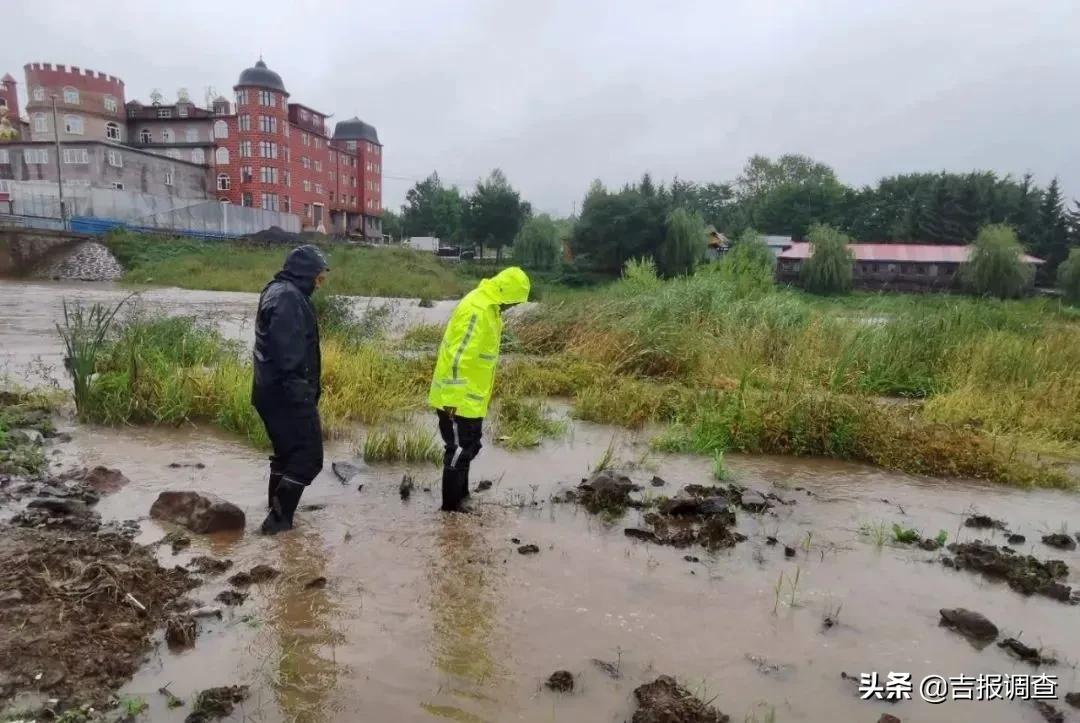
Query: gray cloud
[560, 92]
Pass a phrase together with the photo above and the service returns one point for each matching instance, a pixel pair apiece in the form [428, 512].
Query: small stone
[198, 512]
[561, 681]
[231, 597]
[317, 584]
[345, 471]
[1073, 699]
[180, 631]
[484, 485]
[969, 623]
[657, 482]
[1015, 539]
[887, 718]
[57, 506]
[753, 501]
[528, 550]
[771, 540]
[691, 558]
[929, 544]
[789, 551]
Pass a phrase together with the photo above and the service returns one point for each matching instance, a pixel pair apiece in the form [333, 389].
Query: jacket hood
[509, 286]
[302, 265]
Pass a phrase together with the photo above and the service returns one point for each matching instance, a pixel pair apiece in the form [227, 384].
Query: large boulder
[197, 511]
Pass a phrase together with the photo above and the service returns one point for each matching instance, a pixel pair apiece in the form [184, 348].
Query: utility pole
[59, 166]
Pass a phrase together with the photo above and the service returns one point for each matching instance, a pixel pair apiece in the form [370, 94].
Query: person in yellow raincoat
[465, 374]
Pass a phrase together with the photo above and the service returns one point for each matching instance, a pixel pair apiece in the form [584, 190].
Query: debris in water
[209, 566]
[929, 544]
[1049, 712]
[483, 485]
[972, 625]
[610, 669]
[1024, 573]
[691, 558]
[561, 681]
[985, 522]
[406, 487]
[171, 701]
[771, 540]
[345, 471]
[665, 701]
[257, 574]
[781, 671]
[318, 583]
[528, 549]
[638, 534]
[1025, 652]
[231, 597]
[216, 703]
[657, 482]
[1015, 539]
[1059, 540]
[312, 508]
[789, 551]
[177, 540]
[180, 631]
[192, 465]
[206, 611]
[606, 491]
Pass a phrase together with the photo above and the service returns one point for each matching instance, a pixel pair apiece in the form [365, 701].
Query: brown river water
[430, 617]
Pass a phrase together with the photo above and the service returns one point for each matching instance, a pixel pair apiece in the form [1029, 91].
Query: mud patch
[1024, 573]
[606, 491]
[665, 701]
[86, 606]
[256, 575]
[1059, 540]
[985, 522]
[205, 565]
[216, 703]
[180, 631]
[231, 597]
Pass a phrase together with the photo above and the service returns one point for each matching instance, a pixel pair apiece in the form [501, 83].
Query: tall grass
[83, 333]
[395, 444]
[524, 423]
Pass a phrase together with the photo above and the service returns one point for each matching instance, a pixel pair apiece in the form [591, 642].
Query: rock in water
[99, 478]
[1025, 652]
[887, 718]
[753, 502]
[665, 701]
[528, 550]
[1073, 699]
[216, 703]
[345, 471]
[406, 487]
[1015, 539]
[197, 511]
[969, 623]
[1059, 540]
[561, 681]
[984, 522]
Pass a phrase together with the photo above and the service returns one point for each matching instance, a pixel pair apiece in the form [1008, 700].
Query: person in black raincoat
[287, 384]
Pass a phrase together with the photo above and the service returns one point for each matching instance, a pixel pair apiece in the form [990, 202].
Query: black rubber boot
[463, 481]
[271, 490]
[282, 507]
[451, 491]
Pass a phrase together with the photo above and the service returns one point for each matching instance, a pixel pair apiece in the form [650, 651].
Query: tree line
[786, 196]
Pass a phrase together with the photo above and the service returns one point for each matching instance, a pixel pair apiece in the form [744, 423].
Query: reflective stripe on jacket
[465, 367]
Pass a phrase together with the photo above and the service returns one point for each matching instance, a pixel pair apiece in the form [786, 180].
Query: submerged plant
[720, 470]
[876, 531]
[401, 445]
[942, 536]
[905, 536]
[521, 423]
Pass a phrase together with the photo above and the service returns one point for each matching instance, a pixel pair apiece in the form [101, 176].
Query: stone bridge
[22, 250]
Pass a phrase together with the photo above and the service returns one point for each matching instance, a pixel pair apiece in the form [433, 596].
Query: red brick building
[263, 151]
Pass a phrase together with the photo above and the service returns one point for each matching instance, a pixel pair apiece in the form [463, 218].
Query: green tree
[1068, 276]
[431, 209]
[684, 244]
[615, 227]
[762, 174]
[996, 266]
[829, 269]
[1052, 242]
[539, 243]
[391, 225]
[748, 264]
[495, 213]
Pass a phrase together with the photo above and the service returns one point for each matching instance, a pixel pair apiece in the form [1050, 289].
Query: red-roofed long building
[898, 266]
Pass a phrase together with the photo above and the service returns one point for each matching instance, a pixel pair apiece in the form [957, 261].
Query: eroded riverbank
[425, 616]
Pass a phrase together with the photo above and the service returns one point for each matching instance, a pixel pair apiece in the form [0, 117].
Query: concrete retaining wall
[23, 249]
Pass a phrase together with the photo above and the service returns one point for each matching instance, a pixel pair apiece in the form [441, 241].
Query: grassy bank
[937, 385]
[234, 266]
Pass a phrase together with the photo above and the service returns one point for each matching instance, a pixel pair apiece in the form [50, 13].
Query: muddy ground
[379, 608]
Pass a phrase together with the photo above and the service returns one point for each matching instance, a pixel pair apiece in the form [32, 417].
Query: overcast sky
[560, 92]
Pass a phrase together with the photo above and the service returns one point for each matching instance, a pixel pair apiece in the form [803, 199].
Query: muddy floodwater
[29, 310]
[426, 617]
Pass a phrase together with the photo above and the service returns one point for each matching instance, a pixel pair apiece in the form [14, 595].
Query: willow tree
[684, 244]
[830, 267]
[538, 244]
[996, 265]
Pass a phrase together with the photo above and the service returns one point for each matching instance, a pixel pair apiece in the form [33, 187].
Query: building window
[112, 131]
[306, 139]
[164, 112]
[223, 183]
[182, 110]
[73, 124]
[115, 159]
[241, 97]
[169, 177]
[5, 159]
[245, 199]
[221, 157]
[35, 156]
[245, 149]
[318, 166]
[110, 104]
[286, 205]
[71, 95]
[191, 135]
[304, 115]
[41, 124]
[167, 135]
[117, 186]
[198, 155]
[332, 176]
[317, 142]
[268, 124]
[318, 188]
[245, 174]
[173, 153]
[307, 185]
[270, 201]
[351, 145]
[39, 94]
[307, 210]
[221, 129]
[266, 98]
[145, 136]
[244, 122]
[268, 174]
[288, 178]
[305, 162]
[76, 155]
[267, 149]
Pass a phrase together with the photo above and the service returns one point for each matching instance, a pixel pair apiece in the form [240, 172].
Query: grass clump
[524, 423]
[394, 444]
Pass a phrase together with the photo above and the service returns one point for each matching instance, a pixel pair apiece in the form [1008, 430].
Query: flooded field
[424, 616]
